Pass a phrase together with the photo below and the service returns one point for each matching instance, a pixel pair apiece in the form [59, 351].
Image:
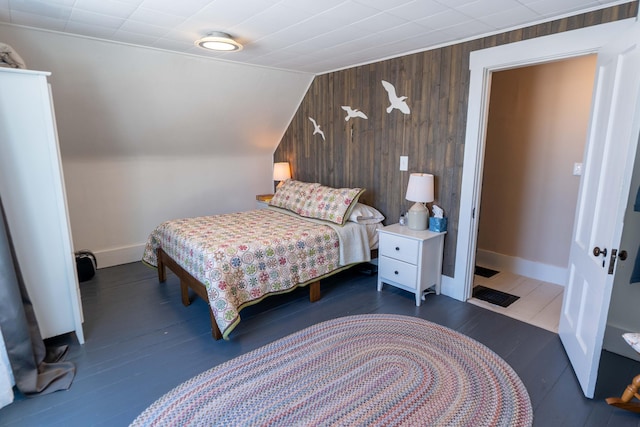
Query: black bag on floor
[86, 265]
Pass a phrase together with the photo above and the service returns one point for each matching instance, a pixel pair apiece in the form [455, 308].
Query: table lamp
[281, 172]
[419, 190]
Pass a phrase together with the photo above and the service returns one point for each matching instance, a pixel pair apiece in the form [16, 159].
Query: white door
[611, 145]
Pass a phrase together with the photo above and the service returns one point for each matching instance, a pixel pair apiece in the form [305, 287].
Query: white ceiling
[313, 36]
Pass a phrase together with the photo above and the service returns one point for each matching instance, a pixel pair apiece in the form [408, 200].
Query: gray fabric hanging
[37, 369]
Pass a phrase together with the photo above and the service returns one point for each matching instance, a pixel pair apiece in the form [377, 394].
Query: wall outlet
[577, 169]
[404, 163]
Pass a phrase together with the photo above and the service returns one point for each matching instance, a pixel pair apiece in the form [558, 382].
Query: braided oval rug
[374, 369]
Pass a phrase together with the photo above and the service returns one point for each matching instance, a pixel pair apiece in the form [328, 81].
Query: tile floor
[539, 304]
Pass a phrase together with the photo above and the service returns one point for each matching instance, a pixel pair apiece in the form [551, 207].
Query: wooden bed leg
[215, 331]
[162, 272]
[186, 281]
[184, 293]
[314, 291]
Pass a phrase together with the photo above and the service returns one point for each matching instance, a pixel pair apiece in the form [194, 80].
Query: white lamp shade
[281, 171]
[420, 188]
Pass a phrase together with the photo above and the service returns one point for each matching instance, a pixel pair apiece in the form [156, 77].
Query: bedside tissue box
[437, 224]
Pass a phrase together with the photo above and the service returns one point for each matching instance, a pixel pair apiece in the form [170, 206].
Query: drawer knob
[395, 272]
[397, 248]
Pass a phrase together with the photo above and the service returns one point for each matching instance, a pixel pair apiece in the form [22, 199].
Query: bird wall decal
[396, 102]
[316, 129]
[353, 113]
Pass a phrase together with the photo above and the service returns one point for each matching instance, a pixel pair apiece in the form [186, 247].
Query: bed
[236, 260]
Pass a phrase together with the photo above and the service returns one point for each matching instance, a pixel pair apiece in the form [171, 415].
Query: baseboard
[535, 270]
[450, 288]
[614, 343]
[118, 256]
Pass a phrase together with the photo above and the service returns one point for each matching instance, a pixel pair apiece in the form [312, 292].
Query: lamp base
[418, 217]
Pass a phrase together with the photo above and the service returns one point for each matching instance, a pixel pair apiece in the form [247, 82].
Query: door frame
[482, 64]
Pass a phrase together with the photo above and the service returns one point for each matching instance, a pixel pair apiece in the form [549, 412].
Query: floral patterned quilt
[243, 257]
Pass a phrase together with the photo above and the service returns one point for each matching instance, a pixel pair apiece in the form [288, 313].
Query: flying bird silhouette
[316, 129]
[353, 113]
[396, 102]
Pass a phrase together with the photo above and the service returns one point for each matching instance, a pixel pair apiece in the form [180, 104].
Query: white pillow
[633, 339]
[363, 214]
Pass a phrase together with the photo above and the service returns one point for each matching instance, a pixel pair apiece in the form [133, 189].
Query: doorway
[610, 151]
[482, 64]
[536, 132]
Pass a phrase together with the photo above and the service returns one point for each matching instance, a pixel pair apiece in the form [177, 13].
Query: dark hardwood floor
[141, 342]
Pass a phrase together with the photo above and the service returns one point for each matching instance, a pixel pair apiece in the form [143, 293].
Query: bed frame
[188, 281]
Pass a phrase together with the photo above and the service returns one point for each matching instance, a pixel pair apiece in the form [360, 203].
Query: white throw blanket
[354, 240]
[354, 243]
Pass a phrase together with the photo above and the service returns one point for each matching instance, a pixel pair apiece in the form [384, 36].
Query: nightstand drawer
[398, 247]
[397, 271]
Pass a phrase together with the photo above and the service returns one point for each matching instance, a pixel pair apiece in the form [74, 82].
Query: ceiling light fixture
[220, 42]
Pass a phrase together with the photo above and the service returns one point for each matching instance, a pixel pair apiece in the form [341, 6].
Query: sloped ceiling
[315, 36]
[128, 81]
[117, 100]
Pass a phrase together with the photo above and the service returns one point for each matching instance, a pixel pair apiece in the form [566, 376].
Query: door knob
[598, 252]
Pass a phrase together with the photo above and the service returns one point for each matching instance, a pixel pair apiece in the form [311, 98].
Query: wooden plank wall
[366, 153]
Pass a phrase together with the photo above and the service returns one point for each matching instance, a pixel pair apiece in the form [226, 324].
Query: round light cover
[220, 42]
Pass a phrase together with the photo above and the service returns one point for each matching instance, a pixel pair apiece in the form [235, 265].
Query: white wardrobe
[33, 194]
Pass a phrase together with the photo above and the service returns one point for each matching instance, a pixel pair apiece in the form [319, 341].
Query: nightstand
[410, 259]
[262, 200]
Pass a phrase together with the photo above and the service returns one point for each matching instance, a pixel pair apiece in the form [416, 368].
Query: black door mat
[492, 296]
[485, 272]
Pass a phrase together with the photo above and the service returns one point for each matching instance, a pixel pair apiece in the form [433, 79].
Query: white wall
[147, 135]
[118, 201]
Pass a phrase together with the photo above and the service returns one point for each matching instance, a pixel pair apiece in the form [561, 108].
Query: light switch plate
[577, 169]
[404, 163]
